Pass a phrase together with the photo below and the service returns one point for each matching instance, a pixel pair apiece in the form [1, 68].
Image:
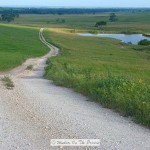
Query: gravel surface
[36, 111]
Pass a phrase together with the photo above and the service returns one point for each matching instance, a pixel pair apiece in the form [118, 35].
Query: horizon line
[31, 6]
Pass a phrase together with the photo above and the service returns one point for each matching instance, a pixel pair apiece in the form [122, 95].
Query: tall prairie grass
[128, 96]
[109, 72]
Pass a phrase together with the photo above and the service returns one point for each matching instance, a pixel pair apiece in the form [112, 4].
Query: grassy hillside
[108, 71]
[17, 43]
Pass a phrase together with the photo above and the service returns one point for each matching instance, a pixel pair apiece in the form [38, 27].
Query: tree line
[61, 11]
[9, 17]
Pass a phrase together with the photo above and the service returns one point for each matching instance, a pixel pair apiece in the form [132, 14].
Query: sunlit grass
[17, 43]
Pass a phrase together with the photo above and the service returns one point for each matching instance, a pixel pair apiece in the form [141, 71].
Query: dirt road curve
[36, 111]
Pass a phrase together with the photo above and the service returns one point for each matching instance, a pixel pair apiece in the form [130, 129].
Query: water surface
[132, 38]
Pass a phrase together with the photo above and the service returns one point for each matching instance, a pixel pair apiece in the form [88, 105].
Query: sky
[77, 3]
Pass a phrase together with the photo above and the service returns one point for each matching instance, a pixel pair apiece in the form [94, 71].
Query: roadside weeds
[8, 83]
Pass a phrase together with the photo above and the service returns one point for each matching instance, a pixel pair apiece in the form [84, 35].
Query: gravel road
[36, 111]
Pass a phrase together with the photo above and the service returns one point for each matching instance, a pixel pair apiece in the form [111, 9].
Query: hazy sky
[77, 3]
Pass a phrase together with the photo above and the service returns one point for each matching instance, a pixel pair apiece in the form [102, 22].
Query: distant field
[17, 43]
[110, 72]
[128, 22]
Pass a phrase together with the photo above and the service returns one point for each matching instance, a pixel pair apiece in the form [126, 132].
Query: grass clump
[8, 82]
[30, 67]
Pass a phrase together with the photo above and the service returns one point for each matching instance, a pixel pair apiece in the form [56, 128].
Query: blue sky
[77, 3]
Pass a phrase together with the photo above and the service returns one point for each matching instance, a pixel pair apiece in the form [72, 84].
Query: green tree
[113, 17]
[100, 24]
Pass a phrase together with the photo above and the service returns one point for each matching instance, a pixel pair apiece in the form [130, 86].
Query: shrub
[144, 42]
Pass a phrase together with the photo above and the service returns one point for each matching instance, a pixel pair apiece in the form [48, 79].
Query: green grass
[17, 43]
[127, 23]
[108, 71]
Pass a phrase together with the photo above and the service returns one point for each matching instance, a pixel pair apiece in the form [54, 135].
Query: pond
[132, 38]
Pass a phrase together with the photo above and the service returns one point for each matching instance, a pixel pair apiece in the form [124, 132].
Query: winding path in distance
[36, 111]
